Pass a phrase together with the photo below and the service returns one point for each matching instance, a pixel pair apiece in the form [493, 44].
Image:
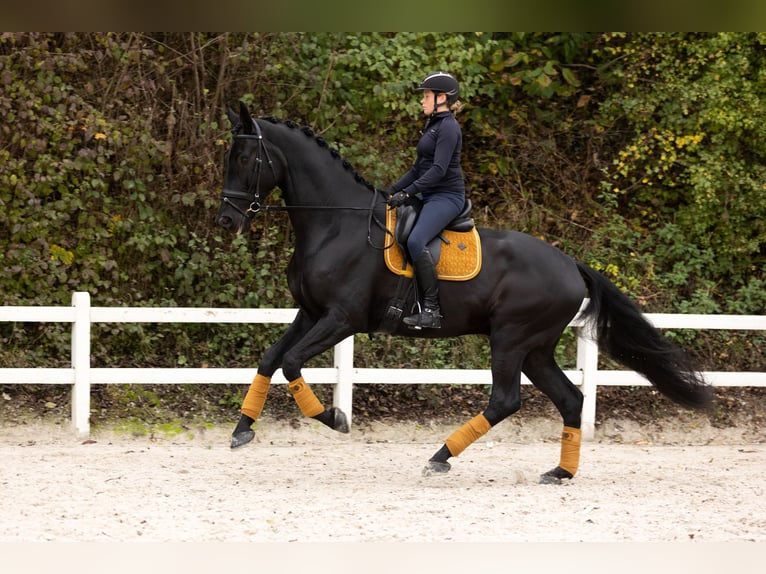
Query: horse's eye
[243, 160]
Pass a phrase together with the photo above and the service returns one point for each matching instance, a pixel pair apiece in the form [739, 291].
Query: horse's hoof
[434, 467]
[340, 421]
[241, 438]
[548, 478]
[555, 476]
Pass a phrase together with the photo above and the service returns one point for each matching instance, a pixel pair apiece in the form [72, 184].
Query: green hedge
[642, 154]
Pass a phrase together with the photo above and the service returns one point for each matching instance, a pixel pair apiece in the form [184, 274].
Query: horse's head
[248, 173]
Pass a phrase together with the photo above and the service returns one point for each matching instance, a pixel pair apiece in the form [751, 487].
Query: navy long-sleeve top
[437, 166]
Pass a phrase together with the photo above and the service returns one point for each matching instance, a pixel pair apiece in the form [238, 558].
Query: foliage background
[642, 154]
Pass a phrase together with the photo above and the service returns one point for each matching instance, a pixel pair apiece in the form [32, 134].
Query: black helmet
[442, 82]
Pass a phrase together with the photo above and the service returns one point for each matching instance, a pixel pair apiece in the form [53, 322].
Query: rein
[253, 193]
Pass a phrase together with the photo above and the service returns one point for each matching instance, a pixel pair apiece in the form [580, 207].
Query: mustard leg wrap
[305, 397]
[459, 440]
[256, 397]
[570, 449]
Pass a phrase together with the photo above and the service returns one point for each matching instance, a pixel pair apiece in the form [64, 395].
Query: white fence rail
[342, 375]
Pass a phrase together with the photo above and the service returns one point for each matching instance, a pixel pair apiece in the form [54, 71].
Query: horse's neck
[314, 177]
[322, 191]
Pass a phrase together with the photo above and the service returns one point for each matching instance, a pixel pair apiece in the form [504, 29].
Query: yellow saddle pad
[460, 259]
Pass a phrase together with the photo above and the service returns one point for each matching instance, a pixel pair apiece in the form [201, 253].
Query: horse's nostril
[224, 221]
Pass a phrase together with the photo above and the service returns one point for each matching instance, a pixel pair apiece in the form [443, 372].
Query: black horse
[522, 299]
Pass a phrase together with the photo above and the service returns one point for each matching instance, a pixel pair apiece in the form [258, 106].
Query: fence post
[587, 363]
[344, 363]
[81, 363]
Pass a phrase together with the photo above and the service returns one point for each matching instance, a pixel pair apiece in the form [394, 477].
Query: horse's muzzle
[236, 224]
[225, 221]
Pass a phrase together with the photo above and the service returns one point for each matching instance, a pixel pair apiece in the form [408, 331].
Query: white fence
[342, 375]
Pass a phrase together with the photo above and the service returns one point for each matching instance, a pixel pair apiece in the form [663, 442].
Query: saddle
[456, 250]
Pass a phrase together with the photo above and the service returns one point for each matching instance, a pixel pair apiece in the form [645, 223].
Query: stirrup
[427, 318]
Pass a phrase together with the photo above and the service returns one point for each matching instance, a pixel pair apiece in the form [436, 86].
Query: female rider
[437, 178]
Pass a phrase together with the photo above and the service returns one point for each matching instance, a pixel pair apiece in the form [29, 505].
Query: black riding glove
[397, 199]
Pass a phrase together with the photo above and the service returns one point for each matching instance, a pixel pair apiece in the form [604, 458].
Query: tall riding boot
[428, 285]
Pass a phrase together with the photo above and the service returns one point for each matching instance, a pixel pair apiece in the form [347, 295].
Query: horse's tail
[625, 335]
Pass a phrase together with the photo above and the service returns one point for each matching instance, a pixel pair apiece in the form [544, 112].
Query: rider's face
[427, 102]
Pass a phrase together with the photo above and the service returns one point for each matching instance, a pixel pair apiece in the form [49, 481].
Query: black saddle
[407, 215]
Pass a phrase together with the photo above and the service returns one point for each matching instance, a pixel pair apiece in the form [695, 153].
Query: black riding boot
[428, 285]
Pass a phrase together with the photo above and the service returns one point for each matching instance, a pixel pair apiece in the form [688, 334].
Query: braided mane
[321, 142]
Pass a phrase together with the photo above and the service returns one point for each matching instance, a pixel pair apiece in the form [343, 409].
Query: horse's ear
[245, 119]
[232, 115]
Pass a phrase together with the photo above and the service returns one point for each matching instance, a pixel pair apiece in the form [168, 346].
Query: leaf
[516, 59]
[569, 77]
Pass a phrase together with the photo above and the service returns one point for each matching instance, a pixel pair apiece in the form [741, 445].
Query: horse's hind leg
[545, 374]
[504, 400]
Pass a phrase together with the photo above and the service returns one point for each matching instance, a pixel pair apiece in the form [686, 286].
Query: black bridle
[253, 193]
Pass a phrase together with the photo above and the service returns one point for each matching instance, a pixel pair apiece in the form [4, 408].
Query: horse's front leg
[328, 331]
[270, 362]
[303, 340]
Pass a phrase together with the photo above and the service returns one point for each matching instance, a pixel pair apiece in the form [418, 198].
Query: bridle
[253, 193]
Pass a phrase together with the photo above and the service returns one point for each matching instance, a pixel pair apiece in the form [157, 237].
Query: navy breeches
[438, 210]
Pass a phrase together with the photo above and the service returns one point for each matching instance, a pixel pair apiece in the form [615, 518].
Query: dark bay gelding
[522, 299]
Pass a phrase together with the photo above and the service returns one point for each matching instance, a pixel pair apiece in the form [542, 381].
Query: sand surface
[305, 483]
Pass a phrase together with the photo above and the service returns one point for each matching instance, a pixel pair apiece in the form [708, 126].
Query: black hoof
[555, 476]
[241, 438]
[433, 467]
[340, 421]
[549, 479]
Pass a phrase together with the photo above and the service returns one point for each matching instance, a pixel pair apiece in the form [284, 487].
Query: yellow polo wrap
[459, 440]
[256, 396]
[305, 397]
[570, 449]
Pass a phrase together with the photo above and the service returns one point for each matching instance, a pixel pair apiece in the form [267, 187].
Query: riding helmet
[442, 82]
